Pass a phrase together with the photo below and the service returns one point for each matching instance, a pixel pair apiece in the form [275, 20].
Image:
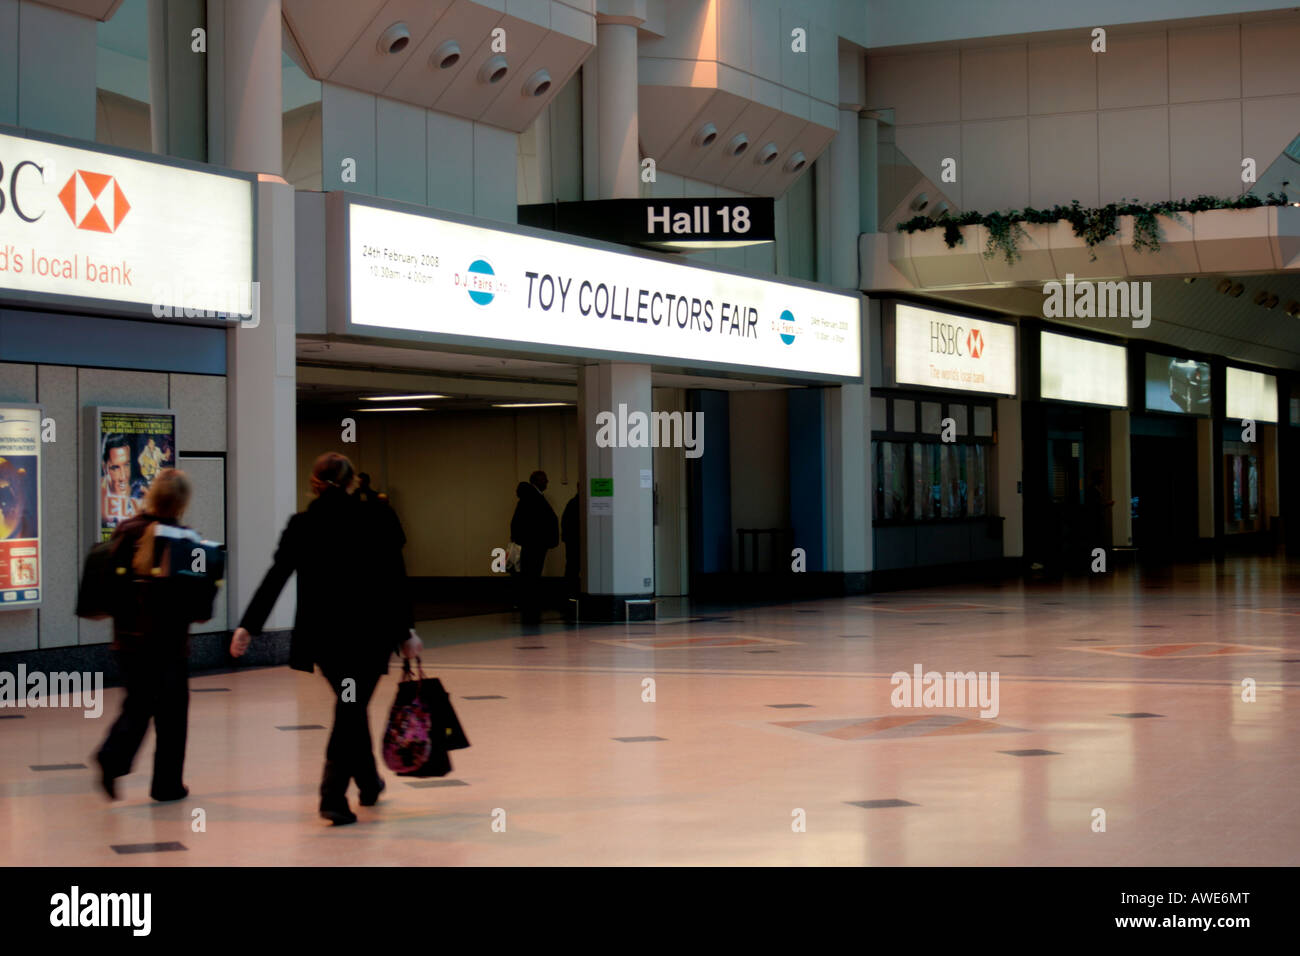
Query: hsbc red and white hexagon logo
[94, 201]
[974, 343]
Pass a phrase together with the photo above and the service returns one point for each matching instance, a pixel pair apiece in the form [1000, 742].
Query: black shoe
[370, 797]
[338, 814]
[107, 781]
[169, 796]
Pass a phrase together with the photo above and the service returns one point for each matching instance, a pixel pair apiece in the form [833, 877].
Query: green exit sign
[602, 487]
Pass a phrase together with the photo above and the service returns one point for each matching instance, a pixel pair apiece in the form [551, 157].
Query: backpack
[105, 582]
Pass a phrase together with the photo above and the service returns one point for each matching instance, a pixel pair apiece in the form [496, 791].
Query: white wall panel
[400, 135]
[1269, 66]
[1204, 64]
[1133, 147]
[347, 132]
[1205, 148]
[924, 88]
[1133, 71]
[1063, 159]
[450, 163]
[494, 173]
[1062, 77]
[993, 82]
[995, 155]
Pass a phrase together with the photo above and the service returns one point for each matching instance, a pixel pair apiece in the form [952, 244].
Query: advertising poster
[20, 506]
[1177, 385]
[132, 447]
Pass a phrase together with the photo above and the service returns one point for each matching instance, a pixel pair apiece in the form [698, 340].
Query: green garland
[1093, 225]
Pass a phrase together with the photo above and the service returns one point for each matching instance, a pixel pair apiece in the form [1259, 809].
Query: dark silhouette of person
[570, 532]
[354, 611]
[151, 638]
[535, 529]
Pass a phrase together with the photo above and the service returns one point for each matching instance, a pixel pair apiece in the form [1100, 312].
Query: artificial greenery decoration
[1093, 225]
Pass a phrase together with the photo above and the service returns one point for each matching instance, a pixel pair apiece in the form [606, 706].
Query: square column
[618, 537]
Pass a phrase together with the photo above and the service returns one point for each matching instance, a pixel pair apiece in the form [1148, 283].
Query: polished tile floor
[1121, 694]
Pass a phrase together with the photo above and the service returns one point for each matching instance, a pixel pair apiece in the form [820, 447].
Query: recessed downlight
[446, 55]
[705, 136]
[919, 202]
[493, 70]
[395, 39]
[739, 143]
[767, 155]
[796, 162]
[539, 84]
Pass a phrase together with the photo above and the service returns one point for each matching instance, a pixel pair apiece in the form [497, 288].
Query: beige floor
[1212, 781]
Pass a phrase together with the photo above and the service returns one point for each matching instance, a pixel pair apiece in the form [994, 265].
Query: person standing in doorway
[570, 532]
[535, 529]
[353, 612]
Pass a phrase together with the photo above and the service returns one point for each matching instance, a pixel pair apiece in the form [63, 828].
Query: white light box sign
[1083, 370]
[454, 280]
[941, 350]
[1250, 395]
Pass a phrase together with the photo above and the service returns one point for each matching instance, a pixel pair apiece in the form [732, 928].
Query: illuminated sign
[466, 284]
[1250, 395]
[76, 224]
[1083, 370]
[941, 350]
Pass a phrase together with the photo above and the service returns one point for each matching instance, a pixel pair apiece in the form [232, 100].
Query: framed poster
[127, 448]
[20, 506]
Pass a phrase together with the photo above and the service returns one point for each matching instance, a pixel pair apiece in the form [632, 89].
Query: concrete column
[1121, 480]
[251, 91]
[619, 162]
[845, 212]
[177, 79]
[868, 173]
[262, 463]
[618, 552]
[849, 476]
[1008, 458]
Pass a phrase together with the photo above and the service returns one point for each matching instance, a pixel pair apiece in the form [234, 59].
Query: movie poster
[20, 506]
[132, 448]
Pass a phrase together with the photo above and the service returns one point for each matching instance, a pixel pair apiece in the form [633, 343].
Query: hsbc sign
[940, 350]
[76, 225]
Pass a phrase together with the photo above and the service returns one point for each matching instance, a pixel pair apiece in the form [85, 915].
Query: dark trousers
[157, 688]
[531, 562]
[349, 755]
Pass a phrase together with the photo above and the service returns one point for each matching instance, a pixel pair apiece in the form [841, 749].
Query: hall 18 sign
[666, 223]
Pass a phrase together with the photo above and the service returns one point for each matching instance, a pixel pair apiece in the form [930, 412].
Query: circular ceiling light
[446, 56]
[767, 155]
[493, 70]
[538, 84]
[919, 202]
[796, 162]
[395, 39]
[739, 143]
[705, 136]
[940, 209]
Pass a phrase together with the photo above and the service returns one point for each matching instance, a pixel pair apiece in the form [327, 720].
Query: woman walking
[353, 612]
[151, 626]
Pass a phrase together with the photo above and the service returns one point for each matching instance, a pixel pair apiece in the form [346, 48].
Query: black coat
[354, 607]
[534, 524]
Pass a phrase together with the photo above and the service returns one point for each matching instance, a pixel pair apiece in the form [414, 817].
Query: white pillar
[262, 465]
[869, 173]
[252, 96]
[619, 162]
[845, 209]
[618, 557]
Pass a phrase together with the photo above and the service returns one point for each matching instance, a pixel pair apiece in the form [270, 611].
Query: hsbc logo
[974, 343]
[94, 201]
